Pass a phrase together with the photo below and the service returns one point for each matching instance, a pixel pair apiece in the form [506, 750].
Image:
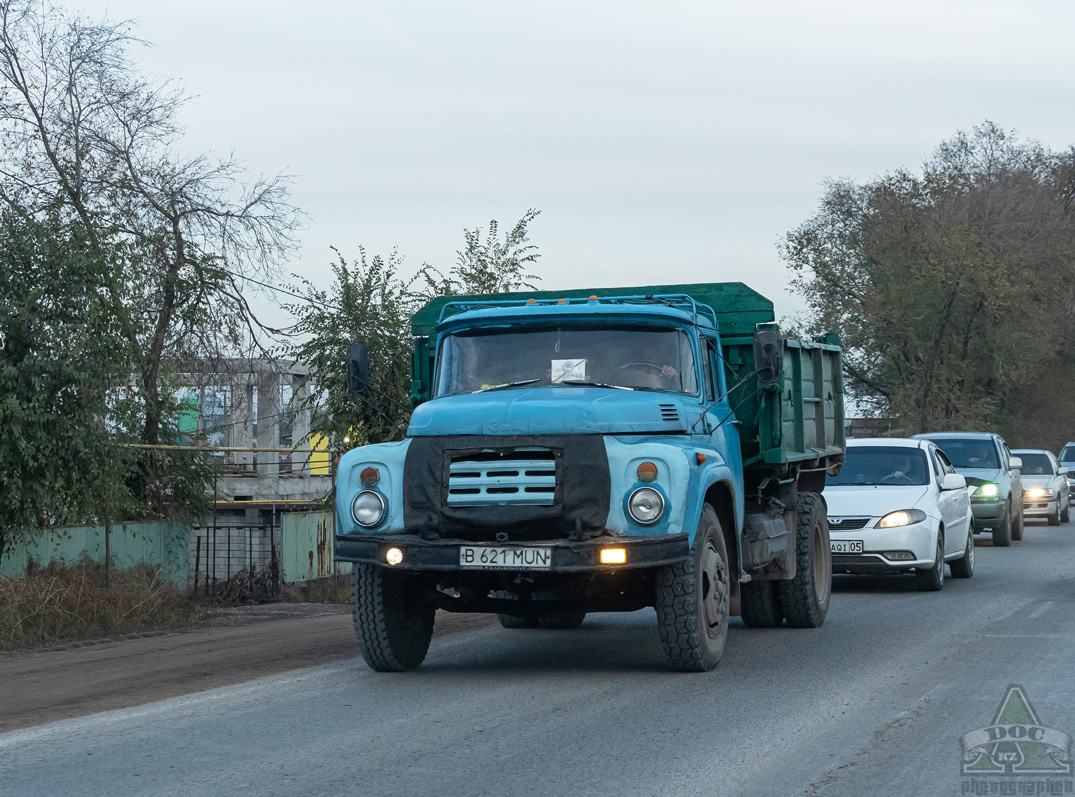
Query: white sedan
[898, 505]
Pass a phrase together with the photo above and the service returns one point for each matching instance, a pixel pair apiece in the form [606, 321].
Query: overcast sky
[663, 142]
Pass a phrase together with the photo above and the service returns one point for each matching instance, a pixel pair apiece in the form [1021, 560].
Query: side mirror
[1015, 463]
[953, 481]
[1062, 472]
[358, 368]
[768, 356]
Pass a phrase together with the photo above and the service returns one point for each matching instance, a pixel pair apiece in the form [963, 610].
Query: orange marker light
[647, 472]
[613, 556]
[593, 298]
[369, 477]
[531, 301]
[700, 457]
[561, 301]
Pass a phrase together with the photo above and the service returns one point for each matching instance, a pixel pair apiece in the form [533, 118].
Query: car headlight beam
[368, 508]
[902, 517]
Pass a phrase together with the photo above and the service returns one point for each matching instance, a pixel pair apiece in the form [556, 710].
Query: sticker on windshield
[568, 369]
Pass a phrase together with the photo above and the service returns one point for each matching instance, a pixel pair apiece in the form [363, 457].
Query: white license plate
[845, 546]
[489, 558]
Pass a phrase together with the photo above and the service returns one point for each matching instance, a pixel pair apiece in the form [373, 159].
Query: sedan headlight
[646, 505]
[1034, 493]
[904, 517]
[368, 508]
[987, 490]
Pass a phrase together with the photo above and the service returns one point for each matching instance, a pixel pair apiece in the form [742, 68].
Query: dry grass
[62, 604]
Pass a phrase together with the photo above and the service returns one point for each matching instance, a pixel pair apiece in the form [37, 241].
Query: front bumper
[919, 538]
[1040, 507]
[567, 556]
[986, 513]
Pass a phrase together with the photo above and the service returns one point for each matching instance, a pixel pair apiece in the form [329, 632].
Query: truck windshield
[633, 357]
[875, 465]
[969, 452]
[1068, 454]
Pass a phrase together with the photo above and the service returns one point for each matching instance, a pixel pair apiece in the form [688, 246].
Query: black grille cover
[582, 495]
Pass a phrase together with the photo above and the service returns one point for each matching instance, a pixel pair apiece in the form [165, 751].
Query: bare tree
[83, 130]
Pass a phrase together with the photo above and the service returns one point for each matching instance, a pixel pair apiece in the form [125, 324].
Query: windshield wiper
[585, 383]
[506, 385]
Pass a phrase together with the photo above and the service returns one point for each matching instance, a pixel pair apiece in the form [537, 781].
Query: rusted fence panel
[307, 546]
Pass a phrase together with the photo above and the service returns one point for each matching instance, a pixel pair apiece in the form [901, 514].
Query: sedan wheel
[932, 579]
[963, 567]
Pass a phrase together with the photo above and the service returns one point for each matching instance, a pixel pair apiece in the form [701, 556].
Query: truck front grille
[526, 477]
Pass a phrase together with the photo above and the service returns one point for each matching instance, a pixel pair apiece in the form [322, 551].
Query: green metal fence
[164, 544]
[307, 546]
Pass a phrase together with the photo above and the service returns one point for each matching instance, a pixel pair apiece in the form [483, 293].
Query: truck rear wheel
[393, 623]
[760, 605]
[562, 620]
[692, 600]
[805, 598]
[511, 621]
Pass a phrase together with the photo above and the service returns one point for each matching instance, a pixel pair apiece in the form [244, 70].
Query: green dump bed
[800, 419]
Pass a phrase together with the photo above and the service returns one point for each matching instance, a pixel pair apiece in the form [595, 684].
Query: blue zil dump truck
[595, 451]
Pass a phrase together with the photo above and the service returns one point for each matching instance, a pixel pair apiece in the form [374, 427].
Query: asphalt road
[875, 702]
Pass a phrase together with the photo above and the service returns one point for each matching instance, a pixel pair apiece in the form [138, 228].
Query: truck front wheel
[692, 600]
[393, 622]
[805, 598]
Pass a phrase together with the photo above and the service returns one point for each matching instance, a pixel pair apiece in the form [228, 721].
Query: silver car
[1045, 486]
[993, 478]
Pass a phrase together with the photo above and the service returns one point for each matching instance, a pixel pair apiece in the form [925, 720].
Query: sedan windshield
[631, 357]
[876, 465]
[969, 452]
[1036, 465]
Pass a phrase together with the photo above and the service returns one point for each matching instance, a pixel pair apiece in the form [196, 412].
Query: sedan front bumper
[1042, 507]
[919, 539]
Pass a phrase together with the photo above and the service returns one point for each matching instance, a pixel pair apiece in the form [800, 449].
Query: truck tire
[1054, 518]
[692, 600]
[963, 567]
[393, 623]
[805, 598]
[1002, 532]
[562, 620]
[1017, 522]
[511, 621]
[760, 605]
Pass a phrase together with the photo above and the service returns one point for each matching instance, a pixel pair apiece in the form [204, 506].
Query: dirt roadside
[62, 682]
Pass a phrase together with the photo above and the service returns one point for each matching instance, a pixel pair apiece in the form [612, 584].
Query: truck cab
[571, 454]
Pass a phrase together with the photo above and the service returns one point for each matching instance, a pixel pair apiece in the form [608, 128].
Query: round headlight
[646, 505]
[368, 508]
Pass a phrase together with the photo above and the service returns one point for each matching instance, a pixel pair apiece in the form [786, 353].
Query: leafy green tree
[950, 287]
[85, 135]
[60, 350]
[369, 299]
